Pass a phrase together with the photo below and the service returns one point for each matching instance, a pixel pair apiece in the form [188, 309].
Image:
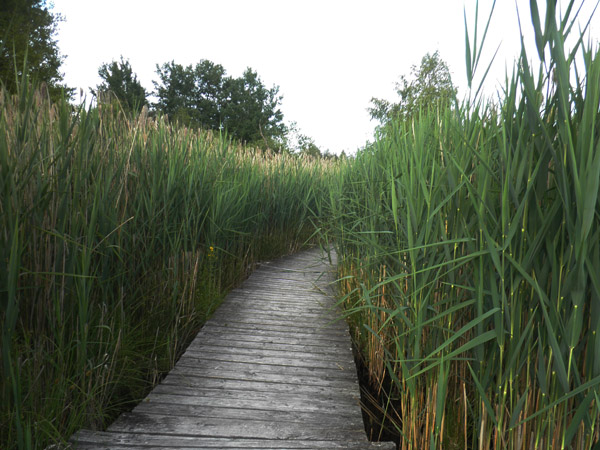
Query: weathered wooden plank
[240, 340]
[276, 330]
[234, 311]
[242, 299]
[190, 358]
[312, 307]
[311, 294]
[234, 428]
[286, 289]
[118, 441]
[312, 298]
[272, 369]
[242, 412]
[249, 370]
[300, 353]
[291, 351]
[263, 382]
[321, 327]
[281, 314]
[299, 399]
[265, 338]
[200, 350]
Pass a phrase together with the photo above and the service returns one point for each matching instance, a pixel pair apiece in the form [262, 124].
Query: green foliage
[310, 149]
[299, 143]
[203, 95]
[28, 47]
[120, 236]
[191, 95]
[120, 81]
[469, 241]
[251, 111]
[430, 87]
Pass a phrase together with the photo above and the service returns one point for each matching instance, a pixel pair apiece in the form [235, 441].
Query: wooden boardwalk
[272, 369]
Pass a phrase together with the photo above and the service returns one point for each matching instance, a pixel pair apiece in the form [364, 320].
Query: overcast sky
[329, 57]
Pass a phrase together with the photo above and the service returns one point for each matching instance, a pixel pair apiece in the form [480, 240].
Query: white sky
[329, 57]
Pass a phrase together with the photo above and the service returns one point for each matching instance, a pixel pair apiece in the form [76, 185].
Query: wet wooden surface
[271, 369]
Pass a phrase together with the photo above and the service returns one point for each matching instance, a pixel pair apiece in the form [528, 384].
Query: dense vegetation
[469, 240]
[468, 237]
[28, 45]
[118, 238]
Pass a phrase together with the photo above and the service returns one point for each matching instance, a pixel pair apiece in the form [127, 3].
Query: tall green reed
[469, 241]
[119, 236]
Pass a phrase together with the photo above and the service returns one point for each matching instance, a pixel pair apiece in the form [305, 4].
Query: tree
[300, 143]
[431, 86]
[27, 29]
[250, 111]
[309, 148]
[210, 93]
[120, 81]
[203, 95]
[176, 91]
[191, 95]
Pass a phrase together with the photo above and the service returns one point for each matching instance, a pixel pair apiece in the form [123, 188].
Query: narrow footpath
[272, 369]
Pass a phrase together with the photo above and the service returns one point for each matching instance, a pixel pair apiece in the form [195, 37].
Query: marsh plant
[468, 238]
[469, 241]
[118, 238]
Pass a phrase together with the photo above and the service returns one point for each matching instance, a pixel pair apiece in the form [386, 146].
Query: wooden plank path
[272, 369]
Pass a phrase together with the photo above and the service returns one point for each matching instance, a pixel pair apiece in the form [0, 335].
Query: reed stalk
[118, 238]
[485, 221]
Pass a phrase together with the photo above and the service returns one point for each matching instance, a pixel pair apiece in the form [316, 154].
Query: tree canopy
[204, 95]
[119, 80]
[430, 86]
[27, 29]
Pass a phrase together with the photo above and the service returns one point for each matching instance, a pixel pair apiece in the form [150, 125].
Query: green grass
[120, 236]
[469, 242]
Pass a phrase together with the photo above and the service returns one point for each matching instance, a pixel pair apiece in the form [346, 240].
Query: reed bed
[469, 241]
[118, 238]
